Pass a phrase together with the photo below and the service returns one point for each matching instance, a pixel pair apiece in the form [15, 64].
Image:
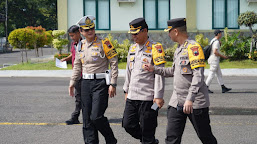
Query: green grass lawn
[36, 66]
[122, 65]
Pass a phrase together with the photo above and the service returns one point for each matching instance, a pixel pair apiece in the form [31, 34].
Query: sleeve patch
[109, 50]
[158, 54]
[196, 56]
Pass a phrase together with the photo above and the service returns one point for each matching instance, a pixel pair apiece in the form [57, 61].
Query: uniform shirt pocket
[185, 67]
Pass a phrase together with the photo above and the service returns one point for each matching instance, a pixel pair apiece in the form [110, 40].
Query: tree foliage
[59, 41]
[22, 38]
[22, 13]
[248, 18]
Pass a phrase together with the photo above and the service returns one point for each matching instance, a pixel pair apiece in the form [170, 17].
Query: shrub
[201, 40]
[22, 38]
[248, 18]
[169, 52]
[59, 41]
[235, 46]
[122, 49]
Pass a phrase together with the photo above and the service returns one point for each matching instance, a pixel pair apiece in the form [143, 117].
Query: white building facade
[114, 15]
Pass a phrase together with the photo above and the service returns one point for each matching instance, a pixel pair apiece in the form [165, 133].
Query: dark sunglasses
[87, 30]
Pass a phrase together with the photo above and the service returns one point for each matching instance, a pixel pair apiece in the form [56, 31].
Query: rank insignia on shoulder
[148, 49]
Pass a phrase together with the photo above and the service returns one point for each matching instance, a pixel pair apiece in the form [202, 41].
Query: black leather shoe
[72, 121]
[225, 89]
[156, 141]
[210, 91]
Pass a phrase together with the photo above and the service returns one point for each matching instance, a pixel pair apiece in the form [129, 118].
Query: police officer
[142, 88]
[75, 45]
[98, 84]
[190, 95]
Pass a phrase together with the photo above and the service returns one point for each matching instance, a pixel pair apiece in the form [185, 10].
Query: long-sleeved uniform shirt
[92, 58]
[141, 84]
[188, 72]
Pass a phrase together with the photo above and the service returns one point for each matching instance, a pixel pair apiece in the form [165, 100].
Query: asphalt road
[33, 111]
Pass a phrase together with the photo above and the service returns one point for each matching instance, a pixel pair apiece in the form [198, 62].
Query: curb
[68, 73]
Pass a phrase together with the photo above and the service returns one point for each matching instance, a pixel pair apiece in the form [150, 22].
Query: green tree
[41, 39]
[248, 19]
[22, 38]
[22, 13]
[59, 41]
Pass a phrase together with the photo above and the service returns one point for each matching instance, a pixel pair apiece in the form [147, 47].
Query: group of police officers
[144, 84]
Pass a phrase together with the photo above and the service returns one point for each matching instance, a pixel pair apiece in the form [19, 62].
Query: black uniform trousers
[76, 112]
[200, 120]
[140, 121]
[94, 100]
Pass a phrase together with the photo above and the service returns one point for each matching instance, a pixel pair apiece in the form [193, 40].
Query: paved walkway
[67, 73]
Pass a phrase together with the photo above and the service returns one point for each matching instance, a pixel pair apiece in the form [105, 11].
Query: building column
[62, 14]
[191, 15]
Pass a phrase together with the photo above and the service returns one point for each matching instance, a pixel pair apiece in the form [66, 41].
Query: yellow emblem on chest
[132, 58]
[133, 49]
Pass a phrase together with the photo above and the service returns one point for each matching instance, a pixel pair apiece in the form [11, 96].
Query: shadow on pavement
[118, 120]
[223, 111]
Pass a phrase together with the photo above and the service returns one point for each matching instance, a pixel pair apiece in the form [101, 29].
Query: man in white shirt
[214, 61]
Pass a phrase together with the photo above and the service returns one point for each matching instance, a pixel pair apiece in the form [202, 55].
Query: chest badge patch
[108, 44]
[145, 60]
[184, 69]
[195, 50]
[159, 48]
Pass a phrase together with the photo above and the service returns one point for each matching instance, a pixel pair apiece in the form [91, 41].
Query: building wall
[123, 13]
[75, 11]
[70, 11]
[204, 14]
[62, 14]
[177, 8]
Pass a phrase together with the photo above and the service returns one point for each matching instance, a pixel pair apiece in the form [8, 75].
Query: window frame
[156, 14]
[226, 15]
[96, 12]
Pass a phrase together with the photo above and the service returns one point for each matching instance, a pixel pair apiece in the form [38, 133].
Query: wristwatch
[114, 85]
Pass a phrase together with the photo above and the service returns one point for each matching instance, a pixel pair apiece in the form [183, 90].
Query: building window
[225, 14]
[156, 13]
[101, 10]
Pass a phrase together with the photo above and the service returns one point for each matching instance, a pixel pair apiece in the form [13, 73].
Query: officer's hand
[159, 102]
[112, 91]
[71, 91]
[126, 95]
[148, 67]
[188, 107]
[63, 59]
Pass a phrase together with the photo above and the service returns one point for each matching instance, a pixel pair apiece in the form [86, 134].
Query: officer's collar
[90, 43]
[146, 44]
[184, 44]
